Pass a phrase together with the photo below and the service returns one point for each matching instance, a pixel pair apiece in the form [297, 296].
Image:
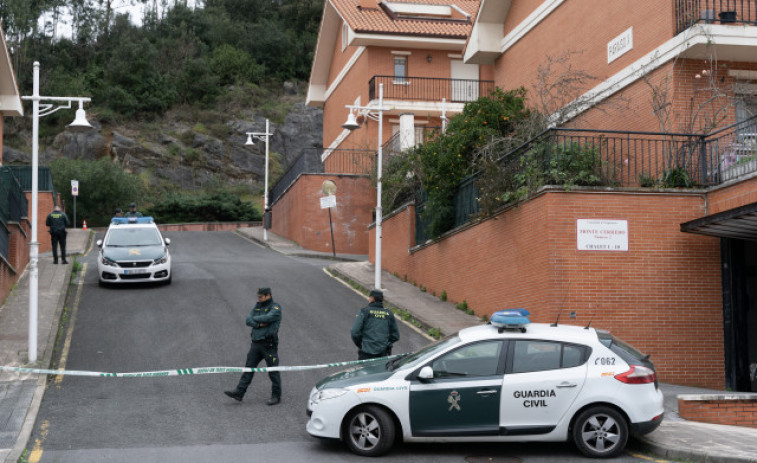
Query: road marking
[644, 457]
[36, 454]
[413, 327]
[72, 320]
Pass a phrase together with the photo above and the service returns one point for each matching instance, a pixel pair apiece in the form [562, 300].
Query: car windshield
[134, 237]
[421, 355]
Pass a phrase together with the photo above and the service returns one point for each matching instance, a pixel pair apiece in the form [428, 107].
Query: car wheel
[600, 432]
[369, 431]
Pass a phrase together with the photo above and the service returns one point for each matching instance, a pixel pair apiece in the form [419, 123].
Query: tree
[103, 187]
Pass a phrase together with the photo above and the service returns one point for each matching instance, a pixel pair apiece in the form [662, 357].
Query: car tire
[600, 432]
[369, 431]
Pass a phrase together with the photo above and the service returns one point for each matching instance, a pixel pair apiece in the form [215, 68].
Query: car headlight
[326, 394]
[161, 260]
[108, 262]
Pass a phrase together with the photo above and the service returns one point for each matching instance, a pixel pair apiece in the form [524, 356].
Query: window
[345, 36]
[479, 359]
[400, 69]
[529, 356]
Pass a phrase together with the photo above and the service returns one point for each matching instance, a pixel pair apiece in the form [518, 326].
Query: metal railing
[309, 162]
[690, 12]
[393, 145]
[620, 159]
[350, 161]
[13, 205]
[430, 88]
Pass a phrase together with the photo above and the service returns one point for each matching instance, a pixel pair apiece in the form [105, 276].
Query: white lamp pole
[262, 137]
[376, 114]
[79, 123]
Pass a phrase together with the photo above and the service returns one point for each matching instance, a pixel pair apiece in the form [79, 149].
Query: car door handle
[487, 392]
[567, 384]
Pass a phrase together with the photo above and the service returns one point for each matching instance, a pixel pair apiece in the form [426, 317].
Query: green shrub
[444, 295]
[213, 207]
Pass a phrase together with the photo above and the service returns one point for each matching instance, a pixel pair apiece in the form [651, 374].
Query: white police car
[133, 250]
[501, 382]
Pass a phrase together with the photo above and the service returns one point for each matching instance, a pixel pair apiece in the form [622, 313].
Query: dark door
[740, 313]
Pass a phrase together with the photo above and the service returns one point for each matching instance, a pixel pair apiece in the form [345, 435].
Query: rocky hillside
[187, 155]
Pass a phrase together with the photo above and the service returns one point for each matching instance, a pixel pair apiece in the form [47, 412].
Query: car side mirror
[99, 243]
[168, 241]
[426, 373]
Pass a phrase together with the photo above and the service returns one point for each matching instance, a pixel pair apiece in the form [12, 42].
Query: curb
[296, 253]
[684, 454]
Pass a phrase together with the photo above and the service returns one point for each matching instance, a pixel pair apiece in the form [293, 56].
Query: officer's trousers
[262, 351]
[58, 238]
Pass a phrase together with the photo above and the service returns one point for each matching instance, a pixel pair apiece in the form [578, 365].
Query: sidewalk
[21, 394]
[675, 439]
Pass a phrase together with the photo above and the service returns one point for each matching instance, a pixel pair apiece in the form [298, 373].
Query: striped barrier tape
[188, 371]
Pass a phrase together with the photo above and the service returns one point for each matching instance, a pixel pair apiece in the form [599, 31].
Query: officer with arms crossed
[58, 221]
[264, 319]
[375, 329]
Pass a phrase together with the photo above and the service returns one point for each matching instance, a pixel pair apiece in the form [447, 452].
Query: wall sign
[602, 235]
[620, 45]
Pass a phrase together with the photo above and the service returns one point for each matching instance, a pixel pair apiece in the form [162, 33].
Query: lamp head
[80, 123]
[249, 141]
[351, 123]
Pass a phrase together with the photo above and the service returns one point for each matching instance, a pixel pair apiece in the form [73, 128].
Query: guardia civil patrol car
[133, 250]
[505, 381]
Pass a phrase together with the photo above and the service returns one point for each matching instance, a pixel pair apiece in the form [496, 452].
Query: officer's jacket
[57, 221]
[375, 329]
[267, 312]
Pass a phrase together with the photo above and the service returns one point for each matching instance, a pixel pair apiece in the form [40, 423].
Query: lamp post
[377, 114]
[79, 123]
[262, 137]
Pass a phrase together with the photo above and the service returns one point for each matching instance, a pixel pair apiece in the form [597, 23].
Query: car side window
[535, 355]
[479, 359]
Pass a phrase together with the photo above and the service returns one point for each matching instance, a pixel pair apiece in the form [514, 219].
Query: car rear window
[626, 351]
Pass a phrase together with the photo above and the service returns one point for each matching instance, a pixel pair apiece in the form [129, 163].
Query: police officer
[133, 212]
[58, 221]
[375, 329]
[264, 319]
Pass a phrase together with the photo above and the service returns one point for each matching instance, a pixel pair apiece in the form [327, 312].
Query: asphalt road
[198, 321]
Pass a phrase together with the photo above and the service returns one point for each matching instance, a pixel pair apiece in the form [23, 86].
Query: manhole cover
[485, 459]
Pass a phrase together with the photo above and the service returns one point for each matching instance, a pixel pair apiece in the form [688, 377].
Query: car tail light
[637, 375]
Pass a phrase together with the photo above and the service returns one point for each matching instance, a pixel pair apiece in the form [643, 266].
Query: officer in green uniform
[375, 328]
[264, 319]
[58, 221]
[133, 212]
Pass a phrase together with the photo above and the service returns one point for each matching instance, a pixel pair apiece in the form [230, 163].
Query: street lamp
[262, 137]
[80, 123]
[376, 114]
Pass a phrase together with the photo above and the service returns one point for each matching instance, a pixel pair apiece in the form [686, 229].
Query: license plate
[135, 271]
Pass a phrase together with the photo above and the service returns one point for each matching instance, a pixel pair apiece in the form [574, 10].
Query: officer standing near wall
[375, 328]
[264, 319]
[58, 221]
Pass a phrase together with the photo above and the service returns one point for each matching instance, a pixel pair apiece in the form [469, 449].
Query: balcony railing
[690, 12]
[393, 145]
[430, 89]
[620, 159]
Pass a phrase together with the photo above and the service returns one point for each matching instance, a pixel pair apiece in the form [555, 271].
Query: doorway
[740, 313]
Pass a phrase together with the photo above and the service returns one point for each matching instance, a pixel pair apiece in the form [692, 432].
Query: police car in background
[506, 381]
[133, 250]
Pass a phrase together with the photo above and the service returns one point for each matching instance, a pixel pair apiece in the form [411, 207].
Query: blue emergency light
[127, 220]
[511, 319]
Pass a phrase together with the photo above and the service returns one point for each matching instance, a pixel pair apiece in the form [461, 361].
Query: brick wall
[660, 295]
[733, 409]
[297, 215]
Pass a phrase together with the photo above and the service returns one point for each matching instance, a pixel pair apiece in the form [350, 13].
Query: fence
[619, 159]
[429, 88]
[13, 205]
[690, 12]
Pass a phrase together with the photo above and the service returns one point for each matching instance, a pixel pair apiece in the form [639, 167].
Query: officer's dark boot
[236, 395]
[274, 400]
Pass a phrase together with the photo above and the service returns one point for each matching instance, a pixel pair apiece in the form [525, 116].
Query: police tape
[189, 371]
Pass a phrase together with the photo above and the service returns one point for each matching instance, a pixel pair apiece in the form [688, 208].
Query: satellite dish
[328, 188]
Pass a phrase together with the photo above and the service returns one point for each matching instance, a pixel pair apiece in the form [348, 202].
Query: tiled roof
[381, 21]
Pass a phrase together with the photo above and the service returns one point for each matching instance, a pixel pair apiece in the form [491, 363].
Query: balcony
[429, 89]
[736, 12]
